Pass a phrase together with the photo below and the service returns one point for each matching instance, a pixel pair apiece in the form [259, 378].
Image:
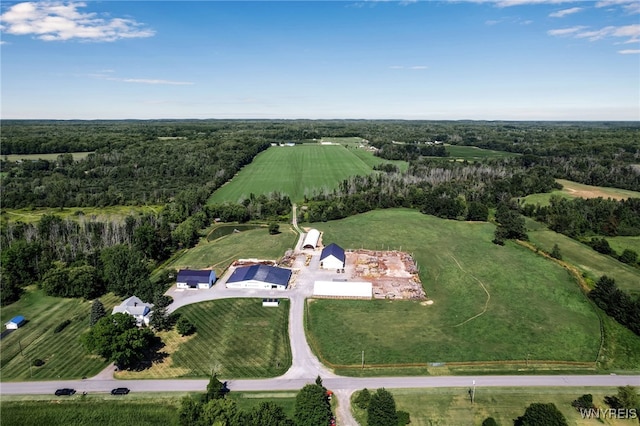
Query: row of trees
[616, 303]
[381, 408]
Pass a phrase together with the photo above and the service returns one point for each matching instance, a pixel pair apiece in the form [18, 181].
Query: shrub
[61, 326]
[585, 401]
[184, 327]
[37, 362]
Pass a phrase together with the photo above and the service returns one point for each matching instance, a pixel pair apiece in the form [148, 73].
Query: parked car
[119, 391]
[65, 391]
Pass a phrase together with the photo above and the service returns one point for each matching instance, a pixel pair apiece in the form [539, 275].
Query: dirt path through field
[486, 304]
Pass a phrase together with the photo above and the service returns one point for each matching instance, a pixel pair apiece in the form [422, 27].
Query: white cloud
[55, 21]
[565, 31]
[396, 67]
[629, 52]
[418, 67]
[413, 67]
[629, 6]
[564, 12]
[632, 32]
[509, 3]
[104, 75]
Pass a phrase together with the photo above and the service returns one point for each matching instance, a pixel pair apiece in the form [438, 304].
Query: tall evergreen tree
[312, 406]
[97, 311]
[382, 409]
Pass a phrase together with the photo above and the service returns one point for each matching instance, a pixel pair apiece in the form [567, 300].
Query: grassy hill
[534, 309]
[296, 171]
[572, 189]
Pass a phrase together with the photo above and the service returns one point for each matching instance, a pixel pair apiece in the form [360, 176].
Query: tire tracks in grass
[486, 303]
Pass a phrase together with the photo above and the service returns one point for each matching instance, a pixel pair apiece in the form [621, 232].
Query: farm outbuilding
[332, 257]
[260, 277]
[188, 278]
[343, 289]
[311, 239]
[15, 322]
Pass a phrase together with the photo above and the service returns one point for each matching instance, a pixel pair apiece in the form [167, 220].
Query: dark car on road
[119, 391]
[65, 391]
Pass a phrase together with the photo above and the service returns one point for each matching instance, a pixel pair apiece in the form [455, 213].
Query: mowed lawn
[452, 406]
[87, 213]
[572, 189]
[589, 261]
[293, 170]
[535, 309]
[62, 352]
[254, 243]
[237, 338]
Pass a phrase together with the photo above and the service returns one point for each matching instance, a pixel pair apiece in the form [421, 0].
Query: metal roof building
[260, 276]
[332, 257]
[343, 289]
[188, 278]
[311, 239]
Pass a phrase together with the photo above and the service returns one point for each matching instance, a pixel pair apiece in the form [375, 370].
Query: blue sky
[477, 59]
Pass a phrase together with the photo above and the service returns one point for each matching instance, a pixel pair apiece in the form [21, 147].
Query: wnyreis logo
[609, 413]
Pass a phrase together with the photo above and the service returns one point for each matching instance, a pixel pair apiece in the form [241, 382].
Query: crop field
[62, 352]
[471, 153]
[620, 244]
[295, 171]
[572, 189]
[236, 338]
[253, 243]
[589, 261]
[50, 157]
[99, 213]
[490, 302]
[452, 406]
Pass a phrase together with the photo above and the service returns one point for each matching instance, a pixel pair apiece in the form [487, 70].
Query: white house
[15, 322]
[332, 257]
[136, 308]
[260, 277]
[188, 278]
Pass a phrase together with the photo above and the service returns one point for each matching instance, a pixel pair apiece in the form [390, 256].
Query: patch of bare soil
[394, 274]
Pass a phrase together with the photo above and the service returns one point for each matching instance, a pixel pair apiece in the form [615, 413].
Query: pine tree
[555, 252]
[97, 311]
[382, 409]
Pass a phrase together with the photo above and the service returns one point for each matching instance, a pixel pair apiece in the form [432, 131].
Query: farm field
[253, 243]
[589, 261]
[50, 157]
[99, 213]
[619, 244]
[471, 153]
[451, 406]
[295, 171]
[236, 338]
[64, 355]
[572, 189]
[529, 297]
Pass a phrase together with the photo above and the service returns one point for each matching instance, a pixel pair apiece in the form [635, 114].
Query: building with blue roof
[260, 277]
[15, 322]
[188, 278]
[332, 257]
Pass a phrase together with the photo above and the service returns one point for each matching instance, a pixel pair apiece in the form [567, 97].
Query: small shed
[15, 322]
[271, 303]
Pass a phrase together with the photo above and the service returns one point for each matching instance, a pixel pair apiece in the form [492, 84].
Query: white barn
[343, 289]
[195, 279]
[311, 239]
[332, 257]
[260, 277]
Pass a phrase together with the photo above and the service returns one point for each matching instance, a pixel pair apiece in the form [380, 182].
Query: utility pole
[473, 393]
[363, 360]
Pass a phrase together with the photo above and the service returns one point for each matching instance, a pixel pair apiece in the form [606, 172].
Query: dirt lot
[393, 273]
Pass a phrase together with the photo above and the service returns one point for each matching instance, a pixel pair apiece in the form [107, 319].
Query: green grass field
[572, 189]
[529, 297]
[295, 171]
[100, 213]
[472, 153]
[589, 261]
[62, 352]
[235, 338]
[254, 243]
[452, 406]
[50, 157]
[619, 244]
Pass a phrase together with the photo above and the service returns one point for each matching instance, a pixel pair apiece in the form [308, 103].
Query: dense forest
[177, 164]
